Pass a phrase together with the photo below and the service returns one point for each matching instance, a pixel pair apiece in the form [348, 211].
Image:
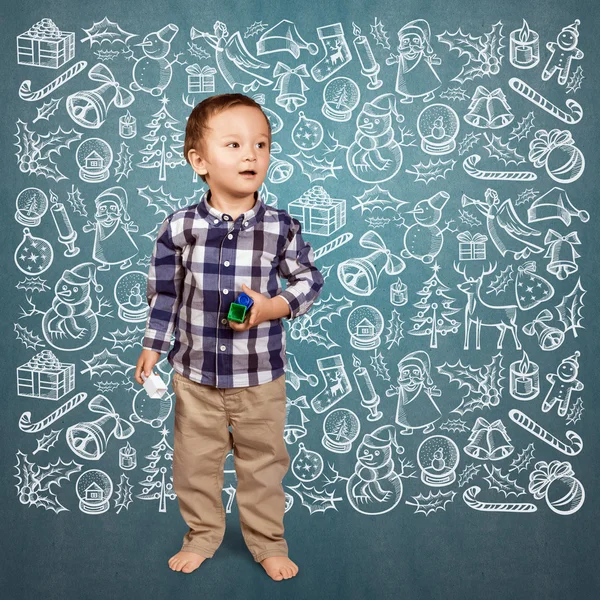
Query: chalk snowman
[71, 324]
[424, 239]
[375, 155]
[375, 488]
[152, 73]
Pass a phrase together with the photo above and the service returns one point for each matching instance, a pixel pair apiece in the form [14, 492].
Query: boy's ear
[197, 162]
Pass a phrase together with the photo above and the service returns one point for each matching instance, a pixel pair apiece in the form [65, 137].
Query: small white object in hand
[154, 385]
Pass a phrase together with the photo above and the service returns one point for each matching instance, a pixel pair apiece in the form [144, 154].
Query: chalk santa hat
[110, 194]
[572, 29]
[381, 106]
[82, 275]
[283, 37]
[383, 438]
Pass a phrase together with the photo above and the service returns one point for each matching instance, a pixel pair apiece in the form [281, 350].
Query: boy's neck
[234, 207]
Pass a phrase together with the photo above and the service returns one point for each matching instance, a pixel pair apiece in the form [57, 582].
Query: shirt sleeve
[163, 292]
[297, 265]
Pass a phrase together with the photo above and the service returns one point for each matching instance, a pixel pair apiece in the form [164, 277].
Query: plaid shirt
[201, 258]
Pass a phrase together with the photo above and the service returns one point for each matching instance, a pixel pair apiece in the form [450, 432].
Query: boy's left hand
[260, 311]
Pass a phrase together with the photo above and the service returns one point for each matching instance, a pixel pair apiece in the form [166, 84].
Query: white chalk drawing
[524, 47]
[416, 77]
[345, 122]
[562, 53]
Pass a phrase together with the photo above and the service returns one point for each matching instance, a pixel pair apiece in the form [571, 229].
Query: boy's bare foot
[186, 561]
[279, 567]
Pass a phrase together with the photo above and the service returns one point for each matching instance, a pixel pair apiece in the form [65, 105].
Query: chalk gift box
[44, 45]
[45, 377]
[471, 247]
[200, 80]
[317, 212]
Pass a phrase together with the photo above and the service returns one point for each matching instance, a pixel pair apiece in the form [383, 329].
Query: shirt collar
[216, 217]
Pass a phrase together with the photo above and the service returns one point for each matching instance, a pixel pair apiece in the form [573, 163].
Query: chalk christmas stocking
[337, 53]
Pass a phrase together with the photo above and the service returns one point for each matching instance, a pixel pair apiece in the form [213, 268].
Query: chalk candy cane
[470, 498]
[25, 92]
[469, 165]
[26, 425]
[525, 90]
[530, 425]
[333, 244]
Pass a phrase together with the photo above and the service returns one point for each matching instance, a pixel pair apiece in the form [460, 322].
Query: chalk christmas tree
[165, 147]
[434, 318]
[158, 485]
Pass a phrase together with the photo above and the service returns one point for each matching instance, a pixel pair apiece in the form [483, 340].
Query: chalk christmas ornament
[295, 419]
[89, 440]
[438, 125]
[360, 275]
[94, 488]
[307, 465]
[32, 205]
[88, 108]
[33, 255]
[94, 157]
[340, 97]
[291, 86]
[488, 441]
[556, 482]
[556, 150]
[438, 456]
[130, 295]
[561, 252]
[489, 109]
[307, 133]
[549, 338]
[341, 428]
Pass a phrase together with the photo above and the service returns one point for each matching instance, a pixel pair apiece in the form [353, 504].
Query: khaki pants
[201, 442]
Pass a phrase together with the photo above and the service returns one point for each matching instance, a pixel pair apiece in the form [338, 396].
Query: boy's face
[237, 141]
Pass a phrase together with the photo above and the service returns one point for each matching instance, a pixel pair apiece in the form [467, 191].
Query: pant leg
[201, 443]
[257, 415]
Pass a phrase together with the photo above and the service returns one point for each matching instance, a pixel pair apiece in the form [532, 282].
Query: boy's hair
[197, 122]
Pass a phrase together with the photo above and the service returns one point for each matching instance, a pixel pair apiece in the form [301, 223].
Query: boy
[228, 373]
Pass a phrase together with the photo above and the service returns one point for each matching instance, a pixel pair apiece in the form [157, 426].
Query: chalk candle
[398, 293]
[369, 397]
[524, 47]
[524, 379]
[369, 66]
[66, 234]
[127, 125]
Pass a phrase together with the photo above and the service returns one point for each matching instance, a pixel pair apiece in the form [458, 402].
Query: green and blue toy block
[239, 308]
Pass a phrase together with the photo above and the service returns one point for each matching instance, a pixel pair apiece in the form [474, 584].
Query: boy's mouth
[248, 173]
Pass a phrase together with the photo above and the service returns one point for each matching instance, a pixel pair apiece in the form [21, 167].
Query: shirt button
[216, 221]
[226, 263]
[245, 223]
[223, 348]
[226, 291]
[224, 321]
[226, 217]
[230, 236]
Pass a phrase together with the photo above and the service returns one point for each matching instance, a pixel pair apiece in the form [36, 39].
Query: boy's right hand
[145, 363]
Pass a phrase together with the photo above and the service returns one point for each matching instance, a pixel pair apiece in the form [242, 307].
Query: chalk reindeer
[480, 314]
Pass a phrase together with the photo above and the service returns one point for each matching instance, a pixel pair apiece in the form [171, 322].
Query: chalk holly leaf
[432, 502]
[106, 31]
[502, 483]
[315, 500]
[106, 362]
[432, 170]
[35, 481]
[569, 310]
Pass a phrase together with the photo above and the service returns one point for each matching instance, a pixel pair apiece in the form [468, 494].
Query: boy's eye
[230, 143]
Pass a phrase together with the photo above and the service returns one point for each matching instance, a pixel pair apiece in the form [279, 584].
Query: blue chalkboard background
[475, 512]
